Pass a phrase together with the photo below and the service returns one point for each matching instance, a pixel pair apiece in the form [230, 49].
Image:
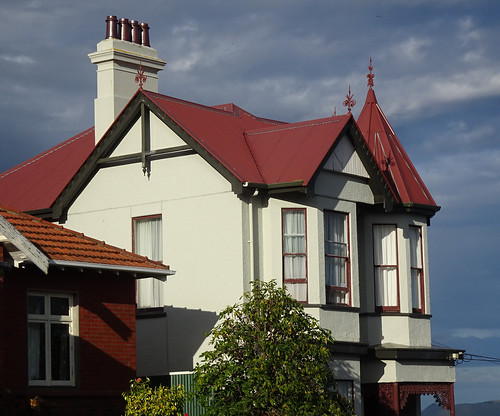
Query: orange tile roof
[64, 245]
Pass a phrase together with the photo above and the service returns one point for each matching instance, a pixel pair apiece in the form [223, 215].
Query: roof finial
[370, 76]
[140, 78]
[334, 111]
[349, 102]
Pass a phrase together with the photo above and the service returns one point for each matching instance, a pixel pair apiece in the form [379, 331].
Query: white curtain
[36, 351]
[416, 266]
[385, 261]
[294, 251]
[148, 241]
[336, 254]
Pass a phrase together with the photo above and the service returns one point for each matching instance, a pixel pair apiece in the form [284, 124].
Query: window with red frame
[385, 260]
[337, 265]
[417, 270]
[148, 241]
[294, 252]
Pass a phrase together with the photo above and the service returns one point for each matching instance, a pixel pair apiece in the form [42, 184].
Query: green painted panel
[191, 406]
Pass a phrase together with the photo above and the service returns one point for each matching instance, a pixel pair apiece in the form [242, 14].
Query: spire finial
[349, 103]
[370, 76]
[140, 78]
[334, 111]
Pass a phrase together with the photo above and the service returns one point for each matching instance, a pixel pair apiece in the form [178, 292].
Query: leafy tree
[144, 400]
[269, 358]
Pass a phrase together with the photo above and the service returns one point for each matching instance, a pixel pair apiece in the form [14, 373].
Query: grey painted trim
[138, 272]
[24, 245]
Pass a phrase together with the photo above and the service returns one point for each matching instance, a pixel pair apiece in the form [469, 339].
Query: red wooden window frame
[285, 254]
[381, 308]
[347, 288]
[420, 273]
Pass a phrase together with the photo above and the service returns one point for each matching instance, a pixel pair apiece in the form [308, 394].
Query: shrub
[144, 400]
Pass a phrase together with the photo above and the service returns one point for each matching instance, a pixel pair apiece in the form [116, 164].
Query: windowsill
[149, 313]
[395, 313]
[331, 307]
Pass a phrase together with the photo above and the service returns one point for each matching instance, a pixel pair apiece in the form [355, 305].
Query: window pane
[415, 248]
[384, 244]
[60, 352]
[148, 240]
[294, 267]
[336, 271]
[386, 286]
[36, 305]
[415, 289]
[297, 291]
[36, 351]
[59, 306]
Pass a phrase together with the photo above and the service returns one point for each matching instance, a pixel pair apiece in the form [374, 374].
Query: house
[332, 208]
[67, 335]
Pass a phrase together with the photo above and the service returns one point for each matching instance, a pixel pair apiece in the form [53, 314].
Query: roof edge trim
[139, 272]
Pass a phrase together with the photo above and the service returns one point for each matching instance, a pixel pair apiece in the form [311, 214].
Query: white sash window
[416, 269]
[148, 241]
[337, 266]
[386, 267]
[294, 252]
[51, 327]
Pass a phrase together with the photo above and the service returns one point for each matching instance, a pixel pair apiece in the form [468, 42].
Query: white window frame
[386, 268]
[47, 319]
[294, 282]
[150, 290]
[341, 292]
[417, 269]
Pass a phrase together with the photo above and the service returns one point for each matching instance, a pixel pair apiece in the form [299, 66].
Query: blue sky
[437, 78]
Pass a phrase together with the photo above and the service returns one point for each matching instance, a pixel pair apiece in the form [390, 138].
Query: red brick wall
[105, 349]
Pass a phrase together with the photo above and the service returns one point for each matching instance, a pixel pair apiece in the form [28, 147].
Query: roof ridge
[46, 153]
[253, 156]
[298, 125]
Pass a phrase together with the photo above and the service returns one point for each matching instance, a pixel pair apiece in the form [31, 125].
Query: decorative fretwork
[442, 391]
[387, 393]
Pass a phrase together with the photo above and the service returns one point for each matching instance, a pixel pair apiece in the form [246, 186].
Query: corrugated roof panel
[390, 156]
[36, 183]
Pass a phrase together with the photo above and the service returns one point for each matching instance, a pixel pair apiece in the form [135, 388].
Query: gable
[345, 159]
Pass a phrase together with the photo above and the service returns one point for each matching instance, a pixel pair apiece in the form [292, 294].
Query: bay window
[385, 258]
[294, 252]
[337, 265]
[148, 241]
[416, 270]
[51, 328]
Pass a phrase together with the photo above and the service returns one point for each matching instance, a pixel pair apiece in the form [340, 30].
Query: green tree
[269, 358]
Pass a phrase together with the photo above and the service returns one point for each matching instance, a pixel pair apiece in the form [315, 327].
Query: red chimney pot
[136, 32]
[111, 27]
[145, 34]
[125, 29]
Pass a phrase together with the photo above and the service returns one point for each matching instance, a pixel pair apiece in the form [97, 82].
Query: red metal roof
[392, 160]
[61, 244]
[254, 149]
[36, 183]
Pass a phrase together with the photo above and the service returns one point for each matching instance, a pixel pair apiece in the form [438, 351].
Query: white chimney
[119, 57]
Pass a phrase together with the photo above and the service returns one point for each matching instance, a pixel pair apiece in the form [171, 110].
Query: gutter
[137, 272]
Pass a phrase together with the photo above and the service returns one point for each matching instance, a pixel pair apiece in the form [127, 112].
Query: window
[386, 267]
[51, 327]
[148, 241]
[337, 266]
[294, 252]
[417, 271]
[346, 389]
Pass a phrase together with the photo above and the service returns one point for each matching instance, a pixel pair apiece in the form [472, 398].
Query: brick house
[67, 335]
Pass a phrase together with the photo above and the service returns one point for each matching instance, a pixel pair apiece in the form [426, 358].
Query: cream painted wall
[389, 371]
